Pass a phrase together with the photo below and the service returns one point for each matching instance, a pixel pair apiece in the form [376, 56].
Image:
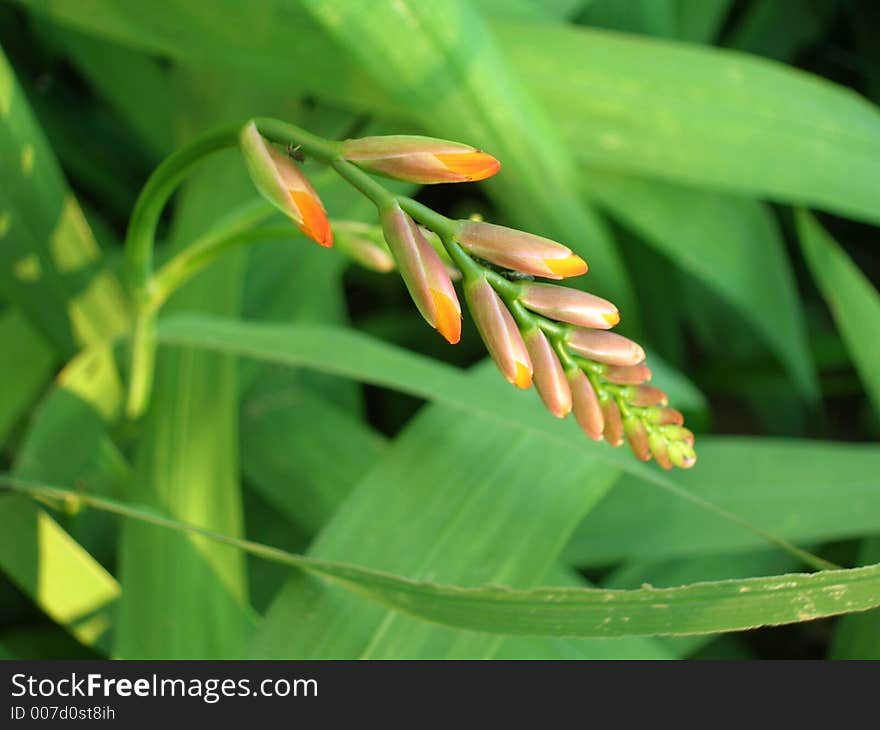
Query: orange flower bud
[423, 273]
[606, 347]
[519, 251]
[613, 430]
[280, 181]
[585, 405]
[647, 396]
[628, 375]
[500, 333]
[422, 160]
[549, 376]
[565, 304]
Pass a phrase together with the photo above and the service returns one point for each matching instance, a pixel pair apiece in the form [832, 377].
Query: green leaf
[189, 600]
[803, 491]
[704, 117]
[714, 607]
[858, 636]
[50, 265]
[24, 370]
[451, 501]
[853, 300]
[359, 357]
[731, 244]
[67, 583]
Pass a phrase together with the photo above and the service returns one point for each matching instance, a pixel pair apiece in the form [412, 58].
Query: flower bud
[549, 376]
[280, 181]
[682, 455]
[628, 375]
[660, 449]
[422, 160]
[637, 436]
[585, 405]
[679, 433]
[569, 305]
[613, 430]
[355, 240]
[499, 331]
[606, 347]
[519, 251]
[423, 273]
[665, 416]
[647, 396]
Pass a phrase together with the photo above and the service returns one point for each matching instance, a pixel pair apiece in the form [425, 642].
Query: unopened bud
[499, 331]
[549, 377]
[280, 181]
[519, 251]
[637, 436]
[585, 405]
[605, 347]
[682, 454]
[647, 396]
[423, 273]
[627, 375]
[613, 430]
[422, 160]
[565, 304]
[660, 449]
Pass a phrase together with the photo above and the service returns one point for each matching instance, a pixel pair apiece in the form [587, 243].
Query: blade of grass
[349, 354]
[453, 502]
[701, 608]
[853, 300]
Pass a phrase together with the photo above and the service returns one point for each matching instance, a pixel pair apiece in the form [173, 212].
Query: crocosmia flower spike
[280, 181]
[421, 160]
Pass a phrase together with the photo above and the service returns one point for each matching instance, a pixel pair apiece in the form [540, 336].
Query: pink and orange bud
[637, 435]
[519, 251]
[280, 181]
[423, 273]
[606, 347]
[500, 333]
[422, 160]
[628, 375]
[569, 305]
[585, 405]
[647, 396]
[550, 380]
[613, 430]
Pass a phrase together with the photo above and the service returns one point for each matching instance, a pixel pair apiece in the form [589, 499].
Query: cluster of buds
[553, 336]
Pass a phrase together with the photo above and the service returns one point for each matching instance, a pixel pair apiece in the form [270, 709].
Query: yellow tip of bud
[572, 265]
[448, 316]
[523, 377]
[612, 318]
[472, 166]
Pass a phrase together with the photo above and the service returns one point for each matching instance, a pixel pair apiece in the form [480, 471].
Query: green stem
[141, 234]
[139, 245]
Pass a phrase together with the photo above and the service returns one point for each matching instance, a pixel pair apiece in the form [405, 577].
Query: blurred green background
[716, 162]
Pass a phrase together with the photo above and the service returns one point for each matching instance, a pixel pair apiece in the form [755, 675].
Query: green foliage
[318, 475]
